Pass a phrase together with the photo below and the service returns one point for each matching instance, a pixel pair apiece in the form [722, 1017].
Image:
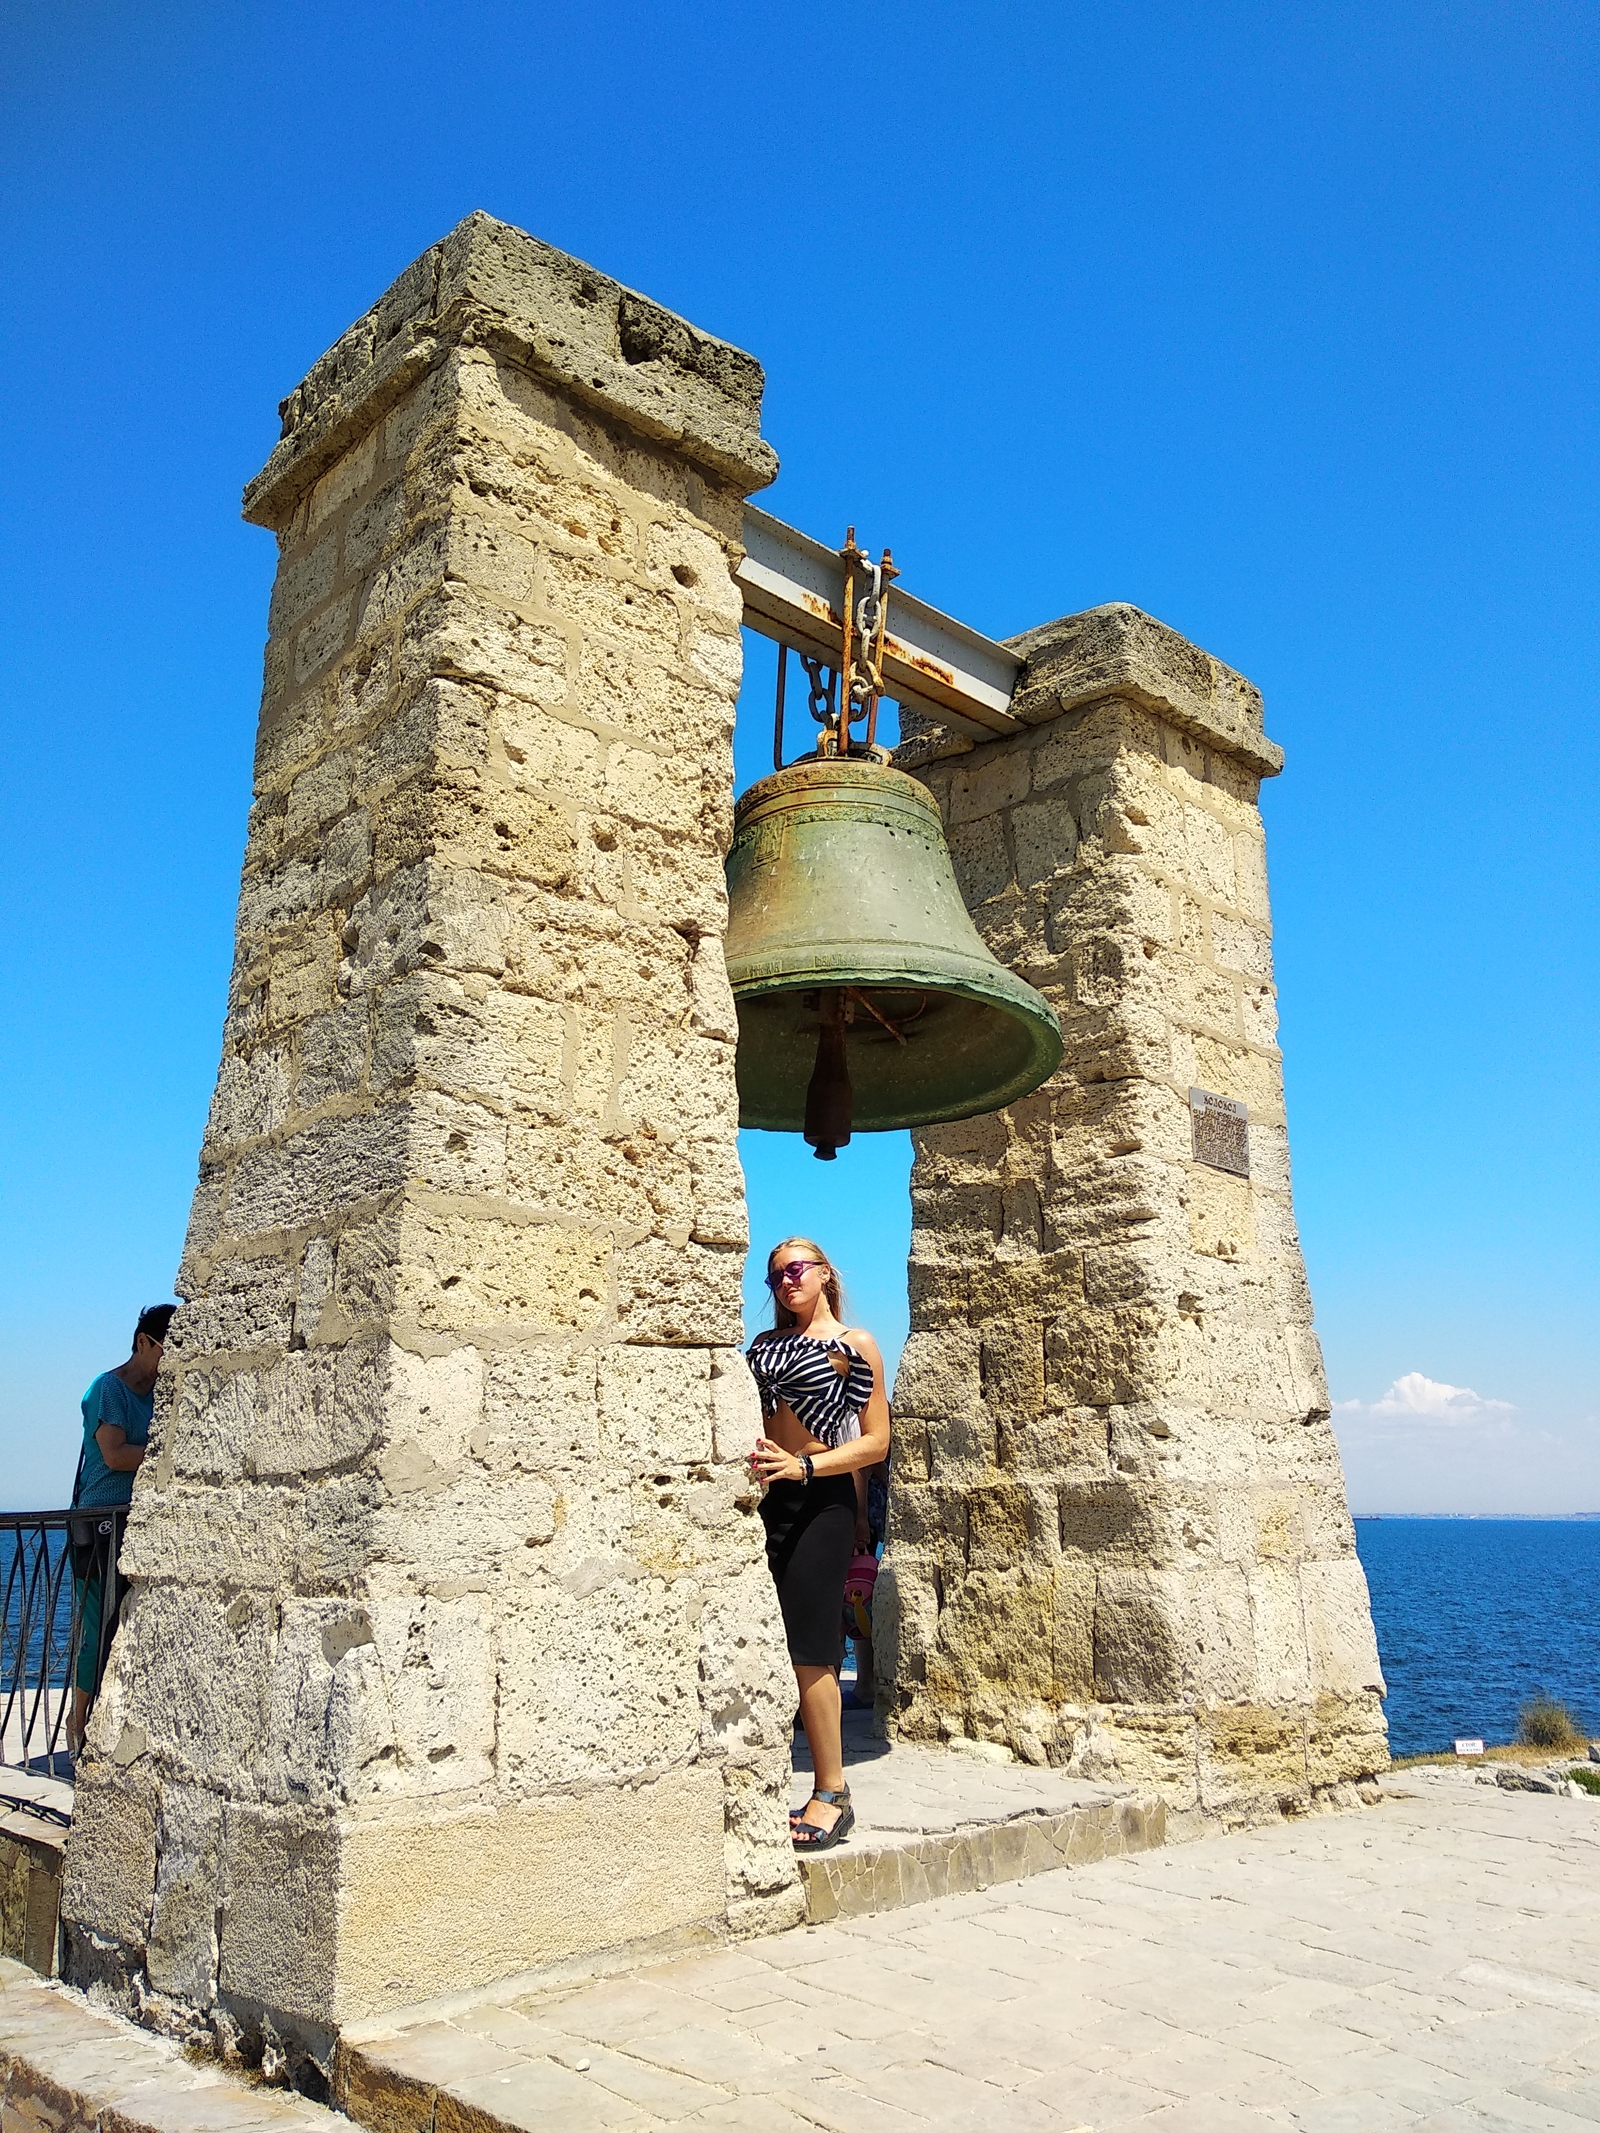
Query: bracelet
[806, 1472]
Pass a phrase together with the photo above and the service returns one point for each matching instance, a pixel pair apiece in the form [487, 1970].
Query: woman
[823, 1402]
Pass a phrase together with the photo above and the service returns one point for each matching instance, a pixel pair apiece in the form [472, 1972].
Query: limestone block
[309, 1413]
[331, 1164]
[598, 1680]
[255, 1535]
[540, 1411]
[939, 1375]
[1141, 1654]
[746, 1684]
[1145, 1747]
[1282, 1669]
[997, 1631]
[1345, 1739]
[434, 1904]
[247, 1306]
[193, 1668]
[280, 1935]
[655, 1406]
[735, 1407]
[1252, 1758]
[679, 1292]
[109, 1875]
[331, 1056]
[182, 1950]
[758, 1854]
[463, 1270]
[1339, 1635]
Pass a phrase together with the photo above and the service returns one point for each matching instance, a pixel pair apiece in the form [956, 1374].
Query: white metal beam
[794, 592]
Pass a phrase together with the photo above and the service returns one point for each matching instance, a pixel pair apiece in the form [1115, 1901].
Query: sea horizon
[1521, 1517]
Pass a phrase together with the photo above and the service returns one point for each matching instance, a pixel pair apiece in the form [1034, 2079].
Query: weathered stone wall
[451, 1649]
[1119, 1536]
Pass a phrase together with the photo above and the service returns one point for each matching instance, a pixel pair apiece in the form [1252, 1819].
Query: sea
[1477, 1615]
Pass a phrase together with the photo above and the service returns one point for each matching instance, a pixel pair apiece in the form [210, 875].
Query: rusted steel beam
[794, 590]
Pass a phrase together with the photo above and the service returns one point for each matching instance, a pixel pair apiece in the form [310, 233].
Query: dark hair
[154, 1320]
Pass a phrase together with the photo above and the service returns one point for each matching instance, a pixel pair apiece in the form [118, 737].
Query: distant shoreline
[1521, 1518]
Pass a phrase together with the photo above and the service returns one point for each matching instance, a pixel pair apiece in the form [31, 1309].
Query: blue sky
[1276, 320]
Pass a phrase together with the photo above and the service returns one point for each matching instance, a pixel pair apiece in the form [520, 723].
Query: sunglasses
[794, 1271]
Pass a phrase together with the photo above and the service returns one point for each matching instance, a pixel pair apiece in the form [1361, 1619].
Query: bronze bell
[866, 999]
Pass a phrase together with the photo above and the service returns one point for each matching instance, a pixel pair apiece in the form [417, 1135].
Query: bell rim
[1047, 1047]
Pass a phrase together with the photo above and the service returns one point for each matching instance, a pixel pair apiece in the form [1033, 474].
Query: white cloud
[1418, 1401]
[1426, 1447]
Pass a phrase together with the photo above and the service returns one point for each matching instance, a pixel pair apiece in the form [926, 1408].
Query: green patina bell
[865, 997]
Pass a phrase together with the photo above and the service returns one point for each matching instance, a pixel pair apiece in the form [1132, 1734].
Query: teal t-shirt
[109, 1400]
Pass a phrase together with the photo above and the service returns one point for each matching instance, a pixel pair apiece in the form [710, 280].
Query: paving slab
[68, 2067]
[1192, 1987]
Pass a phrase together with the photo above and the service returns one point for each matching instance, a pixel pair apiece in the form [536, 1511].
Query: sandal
[828, 1799]
[811, 1836]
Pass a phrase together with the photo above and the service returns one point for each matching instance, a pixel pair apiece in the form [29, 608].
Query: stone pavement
[1431, 1963]
[67, 2067]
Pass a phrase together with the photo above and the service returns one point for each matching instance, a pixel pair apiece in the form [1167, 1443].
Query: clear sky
[1276, 320]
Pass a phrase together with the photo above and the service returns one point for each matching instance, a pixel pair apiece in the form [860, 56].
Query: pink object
[861, 1577]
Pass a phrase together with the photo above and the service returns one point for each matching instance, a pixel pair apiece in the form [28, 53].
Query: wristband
[806, 1471]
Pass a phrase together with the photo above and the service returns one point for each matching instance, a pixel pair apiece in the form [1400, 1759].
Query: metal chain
[823, 680]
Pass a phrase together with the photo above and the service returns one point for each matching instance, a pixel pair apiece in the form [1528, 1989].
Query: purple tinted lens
[791, 1272]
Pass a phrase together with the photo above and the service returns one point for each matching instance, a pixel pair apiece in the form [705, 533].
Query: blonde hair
[832, 1286]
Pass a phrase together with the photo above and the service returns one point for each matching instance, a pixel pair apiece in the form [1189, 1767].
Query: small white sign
[1469, 1747]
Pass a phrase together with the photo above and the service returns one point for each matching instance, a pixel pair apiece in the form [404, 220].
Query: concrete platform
[936, 1822]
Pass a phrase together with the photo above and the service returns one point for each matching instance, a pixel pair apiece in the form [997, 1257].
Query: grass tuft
[1544, 1723]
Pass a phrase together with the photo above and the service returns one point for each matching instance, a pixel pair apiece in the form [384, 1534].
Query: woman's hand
[863, 1537]
[769, 1462]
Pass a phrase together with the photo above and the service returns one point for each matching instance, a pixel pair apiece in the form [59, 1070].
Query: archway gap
[859, 1207]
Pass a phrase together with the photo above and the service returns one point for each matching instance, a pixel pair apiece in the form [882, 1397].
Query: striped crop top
[793, 1368]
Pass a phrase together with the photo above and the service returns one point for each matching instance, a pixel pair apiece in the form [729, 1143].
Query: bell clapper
[829, 1096]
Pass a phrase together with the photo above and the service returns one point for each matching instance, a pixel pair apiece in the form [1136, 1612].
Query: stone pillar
[1119, 1537]
[451, 1650]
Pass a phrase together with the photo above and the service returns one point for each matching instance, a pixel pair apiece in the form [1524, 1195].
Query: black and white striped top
[793, 1368]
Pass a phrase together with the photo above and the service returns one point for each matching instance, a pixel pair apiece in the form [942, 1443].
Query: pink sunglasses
[794, 1271]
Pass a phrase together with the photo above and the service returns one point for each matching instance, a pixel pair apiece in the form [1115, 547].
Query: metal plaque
[1221, 1132]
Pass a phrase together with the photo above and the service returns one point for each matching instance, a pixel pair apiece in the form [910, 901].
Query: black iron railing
[60, 1594]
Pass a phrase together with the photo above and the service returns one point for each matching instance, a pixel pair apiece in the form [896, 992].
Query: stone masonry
[450, 1650]
[1119, 1537]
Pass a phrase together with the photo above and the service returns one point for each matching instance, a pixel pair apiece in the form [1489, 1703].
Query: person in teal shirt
[117, 1411]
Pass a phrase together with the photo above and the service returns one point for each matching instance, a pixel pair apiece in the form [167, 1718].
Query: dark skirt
[811, 1536]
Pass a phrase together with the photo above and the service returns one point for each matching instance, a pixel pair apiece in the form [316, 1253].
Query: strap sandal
[841, 1798]
[812, 1837]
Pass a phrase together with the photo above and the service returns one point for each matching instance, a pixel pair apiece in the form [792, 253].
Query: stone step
[884, 1870]
[73, 2068]
[947, 1820]
[31, 1851]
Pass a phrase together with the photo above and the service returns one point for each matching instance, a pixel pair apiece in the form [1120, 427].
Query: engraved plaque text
[1221, 1132]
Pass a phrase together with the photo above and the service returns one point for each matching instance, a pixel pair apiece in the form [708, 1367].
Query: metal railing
[60, 1594]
